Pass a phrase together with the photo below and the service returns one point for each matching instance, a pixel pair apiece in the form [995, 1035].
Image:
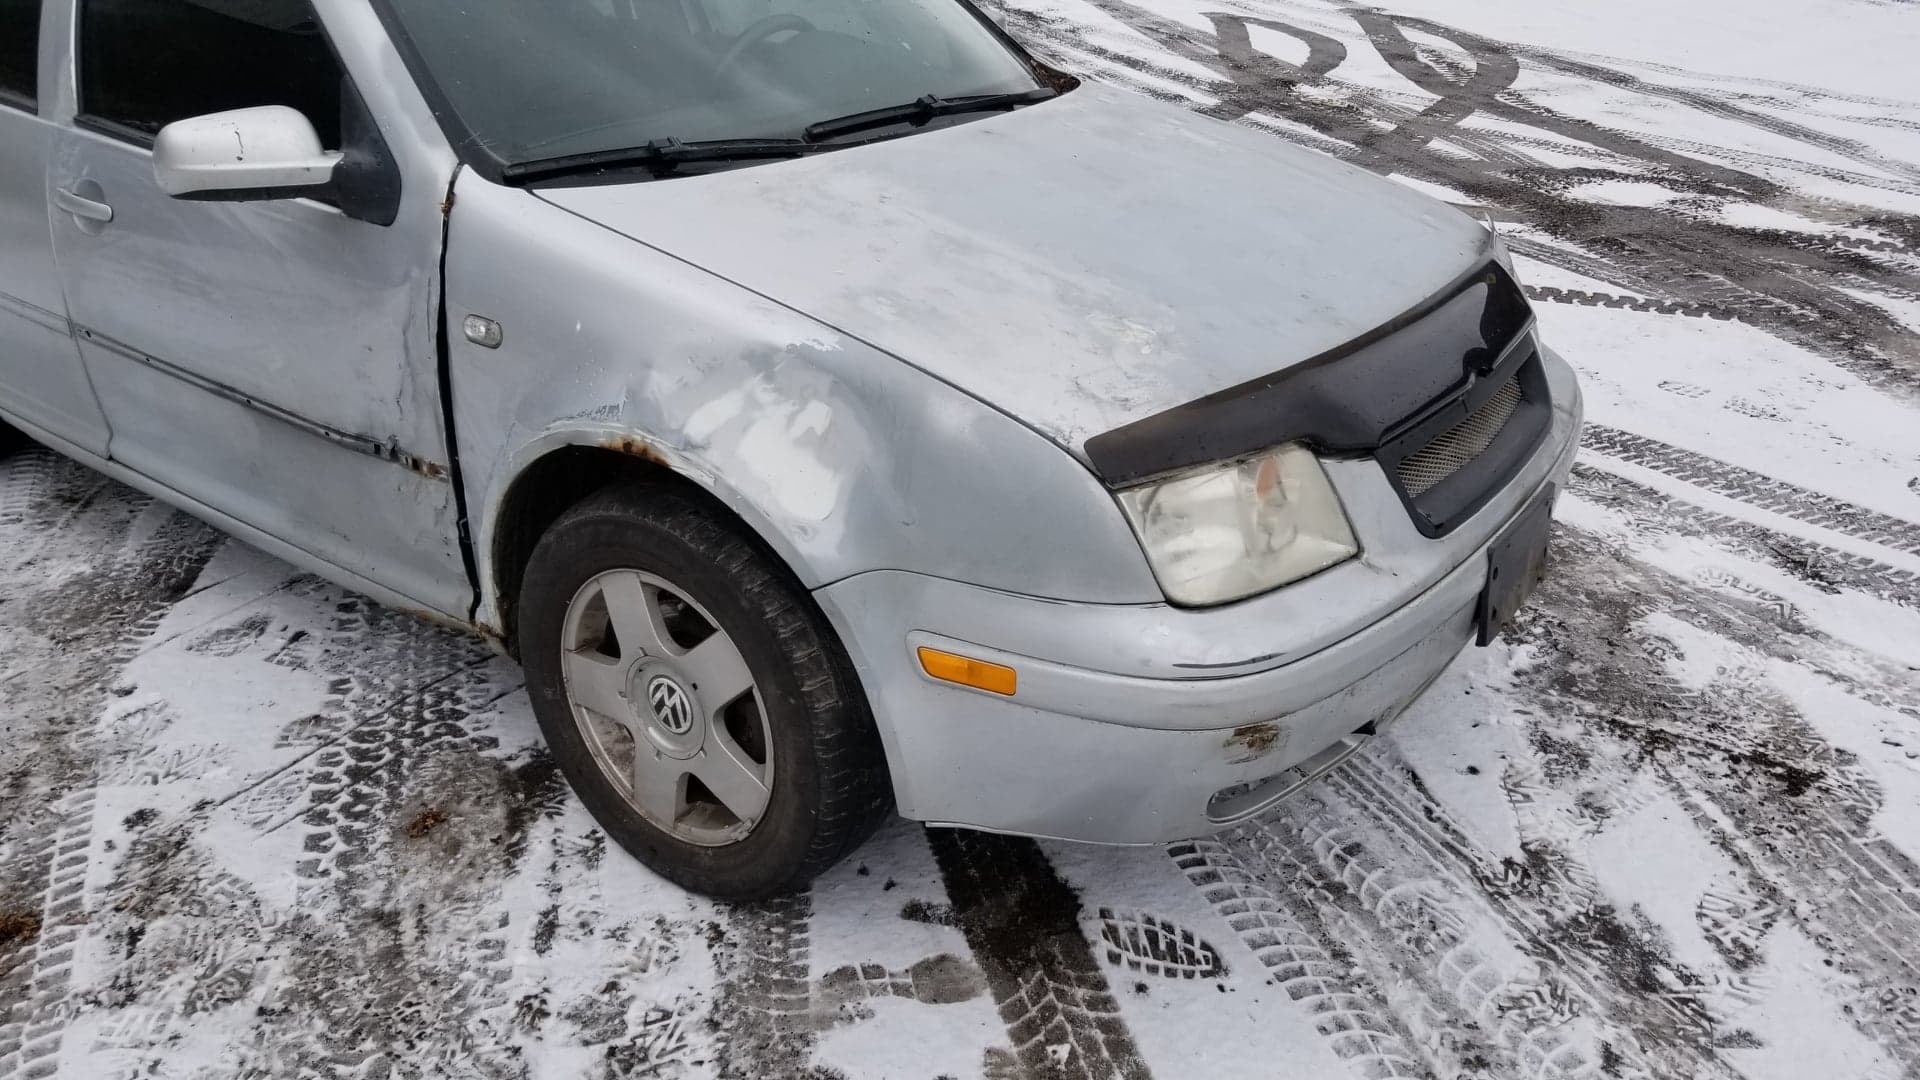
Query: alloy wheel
[667, 706]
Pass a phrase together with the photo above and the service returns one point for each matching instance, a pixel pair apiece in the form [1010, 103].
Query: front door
[41, 380]
[272, 360]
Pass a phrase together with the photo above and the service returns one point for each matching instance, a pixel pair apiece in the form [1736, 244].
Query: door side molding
[389, 450]
[52, 320]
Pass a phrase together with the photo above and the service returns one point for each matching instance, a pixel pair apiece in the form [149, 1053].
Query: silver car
[837, 409]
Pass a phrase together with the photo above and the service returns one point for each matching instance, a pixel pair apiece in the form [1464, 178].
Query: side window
[19, 51]
[146, 63]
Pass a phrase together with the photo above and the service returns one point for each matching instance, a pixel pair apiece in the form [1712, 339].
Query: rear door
[273, 360]
[41, 380]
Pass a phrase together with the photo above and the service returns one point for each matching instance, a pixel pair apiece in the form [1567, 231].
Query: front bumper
[1139, 724]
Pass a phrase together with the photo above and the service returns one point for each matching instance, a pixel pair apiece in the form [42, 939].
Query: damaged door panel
[273, 360]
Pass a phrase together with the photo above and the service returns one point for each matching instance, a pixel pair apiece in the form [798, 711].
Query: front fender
[843, 458]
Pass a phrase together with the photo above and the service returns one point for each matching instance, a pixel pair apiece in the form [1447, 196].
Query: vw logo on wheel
[671, 705]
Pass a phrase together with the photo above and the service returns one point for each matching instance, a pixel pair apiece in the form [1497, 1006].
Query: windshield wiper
[923, 109]
[660, 155]
[664, 155]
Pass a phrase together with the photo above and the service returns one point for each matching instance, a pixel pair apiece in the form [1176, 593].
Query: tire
[11, 440]
[658, 550]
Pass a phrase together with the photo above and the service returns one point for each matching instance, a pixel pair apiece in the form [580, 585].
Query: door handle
[82, 207]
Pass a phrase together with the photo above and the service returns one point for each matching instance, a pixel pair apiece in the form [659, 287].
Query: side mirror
[271, 152]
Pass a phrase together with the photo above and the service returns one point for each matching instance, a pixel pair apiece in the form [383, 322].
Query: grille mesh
[1454, 448]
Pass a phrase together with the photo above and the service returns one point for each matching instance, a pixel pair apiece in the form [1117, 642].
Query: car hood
[1079, 264]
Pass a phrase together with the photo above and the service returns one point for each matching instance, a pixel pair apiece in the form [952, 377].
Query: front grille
[1454, 448]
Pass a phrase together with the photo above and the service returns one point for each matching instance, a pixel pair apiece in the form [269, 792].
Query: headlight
[1227, 531]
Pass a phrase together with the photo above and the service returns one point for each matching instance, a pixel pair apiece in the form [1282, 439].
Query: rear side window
[146, 63]
[19, 51]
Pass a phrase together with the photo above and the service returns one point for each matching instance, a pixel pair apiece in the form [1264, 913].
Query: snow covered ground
[253, 826]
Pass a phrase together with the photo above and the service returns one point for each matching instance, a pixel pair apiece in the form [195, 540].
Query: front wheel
[695, 698]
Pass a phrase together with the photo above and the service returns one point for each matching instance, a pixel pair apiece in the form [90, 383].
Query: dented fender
[843, 458]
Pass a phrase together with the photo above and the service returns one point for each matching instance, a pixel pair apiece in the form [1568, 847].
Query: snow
[254, 826]
[1736, 394]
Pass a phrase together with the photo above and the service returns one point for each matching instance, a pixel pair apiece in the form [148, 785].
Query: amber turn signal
[949, 667]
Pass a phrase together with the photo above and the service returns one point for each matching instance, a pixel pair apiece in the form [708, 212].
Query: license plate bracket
[1515, 561]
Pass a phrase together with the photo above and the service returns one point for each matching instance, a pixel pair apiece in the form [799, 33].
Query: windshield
[539, 79]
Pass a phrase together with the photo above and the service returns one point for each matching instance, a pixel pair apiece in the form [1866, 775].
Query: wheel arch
[559, 471]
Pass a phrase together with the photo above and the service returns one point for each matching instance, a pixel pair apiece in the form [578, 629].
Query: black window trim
[29, 101]
[113, 129]
[373, 197]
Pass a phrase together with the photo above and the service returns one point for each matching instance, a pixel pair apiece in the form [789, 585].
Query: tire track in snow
[26, 473]
[1717, 594]
[1826, 568]
[37, 1019]
[760, 1010]
[1801, 91]
[1719, 601]
[768, 1012]
[404, 682]
[1022, 923]
[1420, 900]
[95, 623]
[1754, 160]
[48, 497]
[1348, 1009]
[1719, 106]
[1550, 294]
[1414, 933]
[1795, 812]
[380, 718]
[1594, 962]
[344, 984]
[1755, 489]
